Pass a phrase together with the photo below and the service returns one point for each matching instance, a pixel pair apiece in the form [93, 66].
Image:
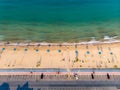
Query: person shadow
[24, 87]
[5, 86]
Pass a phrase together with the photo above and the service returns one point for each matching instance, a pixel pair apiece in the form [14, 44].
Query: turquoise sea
[58, 20]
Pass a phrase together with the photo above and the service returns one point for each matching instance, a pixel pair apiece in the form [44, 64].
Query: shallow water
[58, 20]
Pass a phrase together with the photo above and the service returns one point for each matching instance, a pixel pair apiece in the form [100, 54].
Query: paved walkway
[56, 73]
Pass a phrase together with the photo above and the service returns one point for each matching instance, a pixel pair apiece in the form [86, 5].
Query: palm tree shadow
[24, 87]
[5, 86]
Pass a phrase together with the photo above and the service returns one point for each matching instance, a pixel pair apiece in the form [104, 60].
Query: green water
[58, 20]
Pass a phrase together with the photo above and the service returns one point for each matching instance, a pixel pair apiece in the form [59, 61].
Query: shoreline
[57, 44]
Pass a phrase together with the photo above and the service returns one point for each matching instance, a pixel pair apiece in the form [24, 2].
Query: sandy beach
[66, 55]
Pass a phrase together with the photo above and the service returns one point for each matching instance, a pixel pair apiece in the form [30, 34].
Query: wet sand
[64, 56]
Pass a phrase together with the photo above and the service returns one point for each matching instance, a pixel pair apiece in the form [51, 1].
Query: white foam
[64, 44]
